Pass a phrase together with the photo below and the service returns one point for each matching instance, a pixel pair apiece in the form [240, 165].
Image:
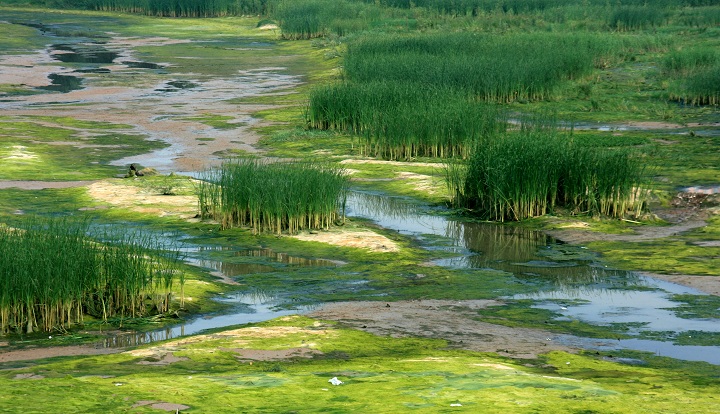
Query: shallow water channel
[568, 279]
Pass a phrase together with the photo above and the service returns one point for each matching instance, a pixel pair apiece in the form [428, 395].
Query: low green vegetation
[57, 148]
[52, 274]
[241, 369]
[273, 197]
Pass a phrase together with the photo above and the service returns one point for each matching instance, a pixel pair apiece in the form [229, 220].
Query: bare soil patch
[706, 284]
[28, 376]
[161, 405]
[249, 355]
[454, 321]
[28, 354]
[688, 211]
[164, 359]
[361, 239]
[42, 185]
[141, 200]
[395, 163]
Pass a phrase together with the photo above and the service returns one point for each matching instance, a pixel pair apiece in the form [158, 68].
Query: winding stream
[573, 284]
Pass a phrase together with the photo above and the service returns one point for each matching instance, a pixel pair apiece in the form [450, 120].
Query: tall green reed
[273, 197]
[696, 75]
[52, 274]
[528, 173]
[399, 120]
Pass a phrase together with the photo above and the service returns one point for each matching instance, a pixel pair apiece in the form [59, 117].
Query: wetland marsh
[414, 306]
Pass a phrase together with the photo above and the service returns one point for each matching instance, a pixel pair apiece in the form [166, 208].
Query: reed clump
[530, 172]
[52, 274]
[272, 197]
[696, 74]
[626, 18]
[307, 19]
[399, 120]
[179, 8]
[490, 68]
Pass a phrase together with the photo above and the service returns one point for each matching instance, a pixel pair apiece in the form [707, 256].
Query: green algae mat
[291, 365]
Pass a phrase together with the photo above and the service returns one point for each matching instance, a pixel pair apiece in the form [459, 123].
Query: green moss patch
[377, 373]
[57, 149]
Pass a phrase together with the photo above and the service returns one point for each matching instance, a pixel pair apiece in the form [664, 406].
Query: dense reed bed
[179, 8]
[407, 96]
[399, 120]
[307, 19]
[274, 197]
[696, 74]
[528, 173]
[624, 11]
[490, 68]
[626, 18]
[52, 274]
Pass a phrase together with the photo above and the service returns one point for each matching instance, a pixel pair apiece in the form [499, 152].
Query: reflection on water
[647, 310]
[245, 308]
[530, 255]
[222, 268]
[229, 267]
[575, 286]
[285, 258]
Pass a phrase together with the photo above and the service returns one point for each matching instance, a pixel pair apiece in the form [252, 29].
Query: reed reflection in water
[530, 255]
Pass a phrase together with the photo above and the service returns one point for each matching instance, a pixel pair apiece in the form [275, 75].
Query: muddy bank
[127, 95]
[455, 321]
[42, 185]
[28, 354]
[706, 284]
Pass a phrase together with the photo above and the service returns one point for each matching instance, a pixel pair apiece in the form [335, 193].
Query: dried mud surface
[455, 321]
[137, 99]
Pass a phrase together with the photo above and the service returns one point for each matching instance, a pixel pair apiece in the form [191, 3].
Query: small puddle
[76, 53]
[62, 83]
[142, 65]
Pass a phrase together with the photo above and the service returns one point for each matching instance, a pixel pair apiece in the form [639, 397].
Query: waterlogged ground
[409, 308]
[287, 365]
